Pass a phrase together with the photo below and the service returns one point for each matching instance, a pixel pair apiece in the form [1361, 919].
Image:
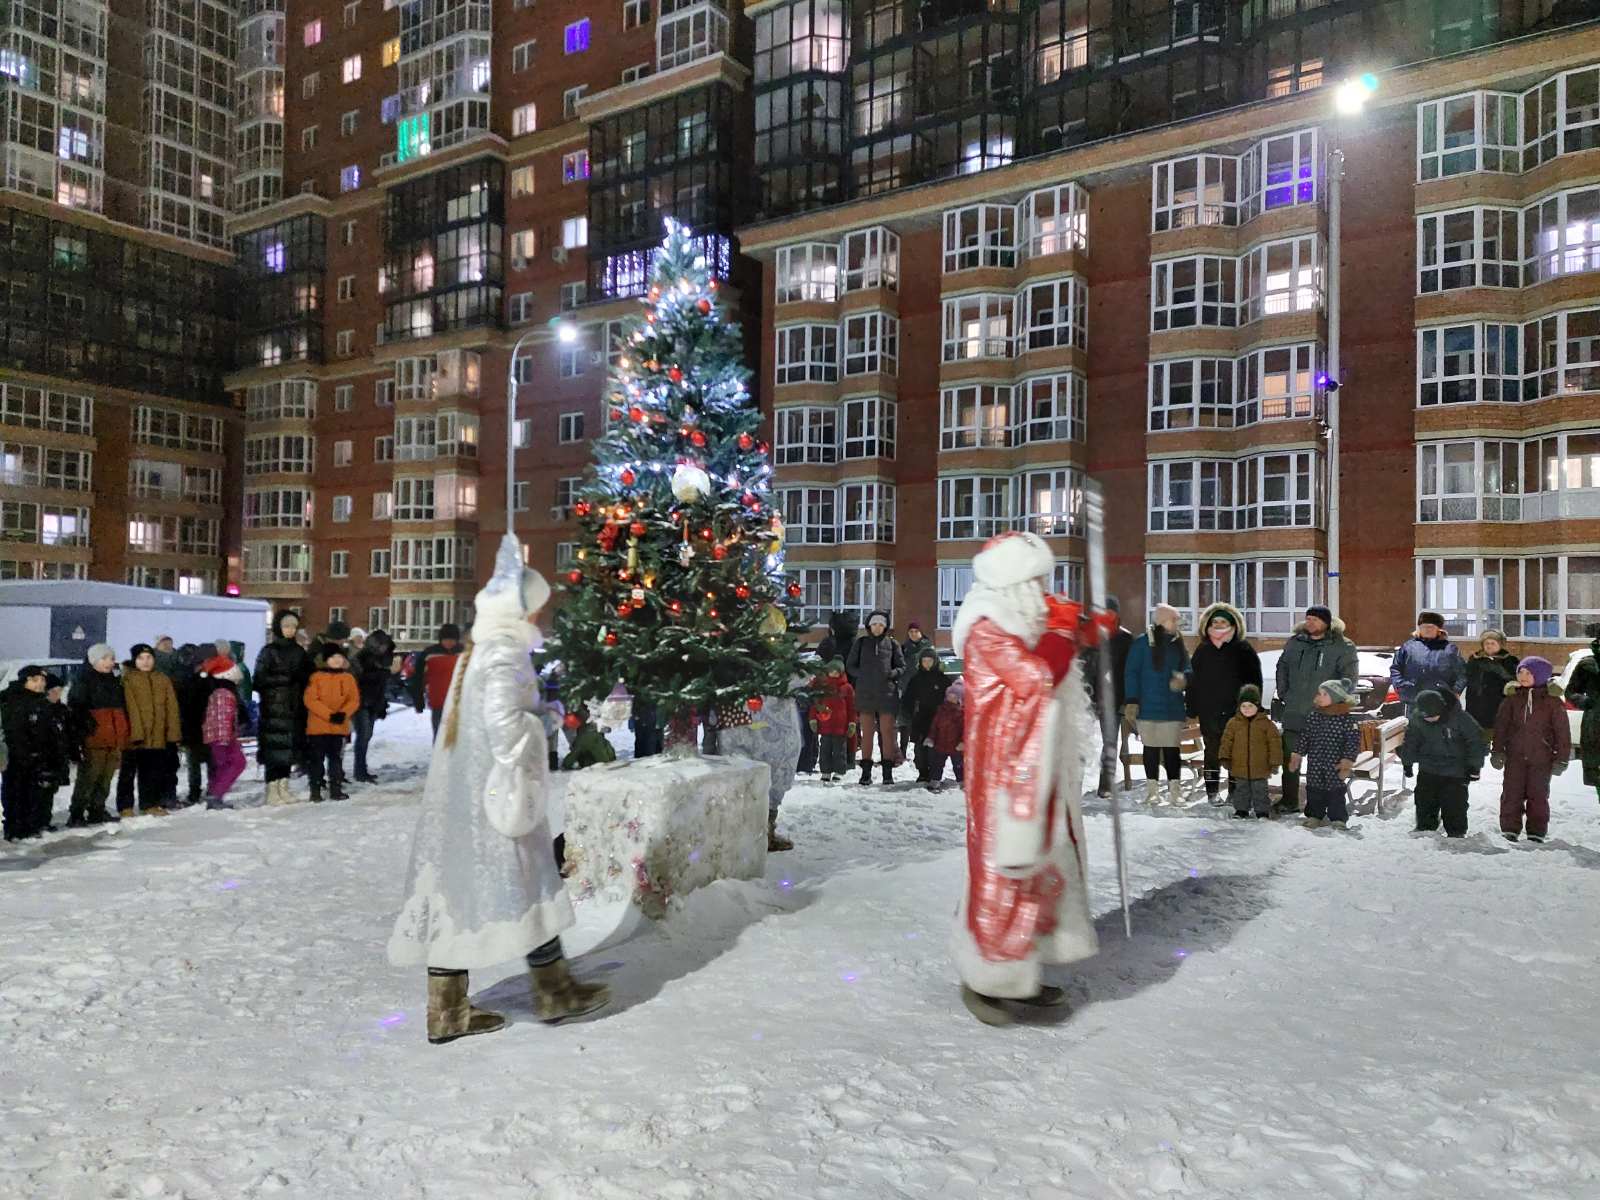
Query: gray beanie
[1340, 691]
[98, 651]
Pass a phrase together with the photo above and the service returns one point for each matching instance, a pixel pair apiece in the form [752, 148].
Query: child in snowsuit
[220, 729]
[589, 745]
[833, 719]
[1328, 745]
[918, 704]
[331, 699]
[1532, 742]
[947, 735]
[1252, 751]
[1446, 746]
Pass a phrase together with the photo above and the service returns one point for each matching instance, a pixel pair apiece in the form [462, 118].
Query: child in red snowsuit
[833, 720]
[946, 735]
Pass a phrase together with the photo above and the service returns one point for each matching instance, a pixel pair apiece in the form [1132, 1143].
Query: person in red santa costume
[1025, 904]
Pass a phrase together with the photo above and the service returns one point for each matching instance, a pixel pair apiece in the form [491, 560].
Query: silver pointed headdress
[508, 571]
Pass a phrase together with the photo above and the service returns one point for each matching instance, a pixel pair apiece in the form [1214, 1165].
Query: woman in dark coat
[1223, 663]
[282, 669]
[373, 665]
[875, 665]
[1583, 691]
[1488, 672]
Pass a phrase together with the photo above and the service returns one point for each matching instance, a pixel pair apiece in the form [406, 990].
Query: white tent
[61, 619]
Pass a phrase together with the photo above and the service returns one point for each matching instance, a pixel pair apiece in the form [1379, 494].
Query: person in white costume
[483, 887]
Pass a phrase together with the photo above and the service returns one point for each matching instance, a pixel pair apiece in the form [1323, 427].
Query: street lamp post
[1349, 99]
[566, 331]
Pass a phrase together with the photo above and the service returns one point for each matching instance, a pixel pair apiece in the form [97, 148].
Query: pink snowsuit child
[221, 729]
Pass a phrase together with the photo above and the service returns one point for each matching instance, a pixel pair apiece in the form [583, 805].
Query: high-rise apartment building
[115, 427]
[1115, 264]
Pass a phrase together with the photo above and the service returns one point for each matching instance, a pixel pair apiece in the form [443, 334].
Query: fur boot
[450, 1014]
[278, 792]
[775, 841]
[558, 997]
[1174, 793]
[1152, 790]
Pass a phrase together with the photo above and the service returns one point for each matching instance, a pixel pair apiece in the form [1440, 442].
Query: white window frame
[866, 511]
[976, 416]
[805, 434]
[975, 507]
[1057, 311]
[870, 258]
[867, 427]
[1054, 220]
[807, 352]
[1195, 190]
[980, 235]
[807, 271]
[1194, 291]
[569, 428]
[869, 343]
[980, 325]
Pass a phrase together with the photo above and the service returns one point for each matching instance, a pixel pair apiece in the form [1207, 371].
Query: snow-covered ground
[199, 1006]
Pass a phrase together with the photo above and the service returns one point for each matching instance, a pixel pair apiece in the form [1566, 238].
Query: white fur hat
[1012, 558]
[513, 590]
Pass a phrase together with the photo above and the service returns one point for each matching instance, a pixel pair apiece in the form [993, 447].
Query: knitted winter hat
[138, 649]
[52, 681]
[1340, 691]
[1431, 704]
[337, 631]
[956, 693]
[1322, 612]
[451, 631]
[1539, 668]
[29, 672]
[878, 614]
[98, 651]
[1425, 617]
[834, 664]
[1250, 694]
[930, 652]
[1163, 611]
[1497, 634]
[1221, 613]
[216, 665]
[358, 632]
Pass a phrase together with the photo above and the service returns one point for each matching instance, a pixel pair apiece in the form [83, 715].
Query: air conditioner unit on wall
[558, 254]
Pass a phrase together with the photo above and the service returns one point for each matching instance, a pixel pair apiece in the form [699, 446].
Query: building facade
[1131, 284]
[115, 427]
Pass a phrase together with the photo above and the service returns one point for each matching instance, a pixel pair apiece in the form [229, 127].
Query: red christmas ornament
[616, 414]
[704, 306]
[570, 721]
[719, 552]
[574, 576]
[753, 704]
[749, 499]
[697, 438]
[706, 533]
[636, 413]
[796, 590]
[756, 507]
[746, 441]
[742, 592]
[674, 374]
[611, 639]
[581, 508]
[762, 448]
[676, 606]
[627, 477]
[712, 614]
[638, 529]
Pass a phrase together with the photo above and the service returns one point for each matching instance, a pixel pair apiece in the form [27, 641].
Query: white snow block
[647, 831]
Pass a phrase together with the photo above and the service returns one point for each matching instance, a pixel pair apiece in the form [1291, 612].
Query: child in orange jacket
[332, 698]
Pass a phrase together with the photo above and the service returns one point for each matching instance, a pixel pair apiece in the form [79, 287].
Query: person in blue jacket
[1427, 661]
[1153, 685]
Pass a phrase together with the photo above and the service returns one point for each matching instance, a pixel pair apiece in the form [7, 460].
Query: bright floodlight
[1352, 95]
[567, 332]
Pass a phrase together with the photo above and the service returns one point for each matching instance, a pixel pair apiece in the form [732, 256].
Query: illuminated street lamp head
[566, 331]
[1352, 95]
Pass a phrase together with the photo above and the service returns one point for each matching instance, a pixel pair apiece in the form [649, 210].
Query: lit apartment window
[382, 506]
[308, 85]
[524, 119]
[809, 271]
[350, 71]
[981, 325]
[1054, 220]
[345, 342]
[519, 309]
[391, 52]
[522, 55]
[570, 98]
[1202, 189]
[574, 166]
[570, 427]
[308, 138]
[343, 453]
[635, 13]
[350, 178]
[313, 32]
[1282, 277]
[343, 397]
[576, 38]
[524, 245]
[871, 259]
[522, 433]
[342, 506]
[975, 415]
[573, 294]
[347, 123]
[575, 232]
[522, 181]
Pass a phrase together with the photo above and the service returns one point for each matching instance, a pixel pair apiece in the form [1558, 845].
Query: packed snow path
[199, 1007]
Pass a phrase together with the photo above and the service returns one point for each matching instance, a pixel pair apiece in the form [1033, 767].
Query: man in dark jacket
[1427, 660]
[430, 679]
[920, 703]
[1318, 652]
[282, 669]
[1223, 663]
[373, 664]
[1446, 746]
[875, 666]
[911, 651]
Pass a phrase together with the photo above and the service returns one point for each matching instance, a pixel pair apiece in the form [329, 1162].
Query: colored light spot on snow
[1180, 953]
[848, 977]
[694, 856]
[757, 1036]
[227, 885]
[912, 936]
[393, 1020]
[1194, 872]
[1165, 1145]
[785, 884]
[1203, 833]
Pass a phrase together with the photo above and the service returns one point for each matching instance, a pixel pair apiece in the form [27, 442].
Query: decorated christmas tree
[678, 587]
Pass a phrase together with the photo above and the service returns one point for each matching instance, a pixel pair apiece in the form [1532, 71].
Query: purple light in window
[578, 36]
[273, 258]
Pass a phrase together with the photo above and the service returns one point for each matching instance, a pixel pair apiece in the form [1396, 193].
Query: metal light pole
[1349, 100]
[565, 332]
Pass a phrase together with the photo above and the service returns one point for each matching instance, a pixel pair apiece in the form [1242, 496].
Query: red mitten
[1058, 651]
[1062, 615]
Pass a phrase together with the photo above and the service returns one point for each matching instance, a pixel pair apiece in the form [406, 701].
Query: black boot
[316, 793]
[866, 771]
[336, 788]
[888, 772]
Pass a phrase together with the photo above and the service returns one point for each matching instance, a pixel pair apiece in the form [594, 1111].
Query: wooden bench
[1372, 763]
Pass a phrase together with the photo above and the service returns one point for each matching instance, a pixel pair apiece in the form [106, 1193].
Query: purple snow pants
[227, 764]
